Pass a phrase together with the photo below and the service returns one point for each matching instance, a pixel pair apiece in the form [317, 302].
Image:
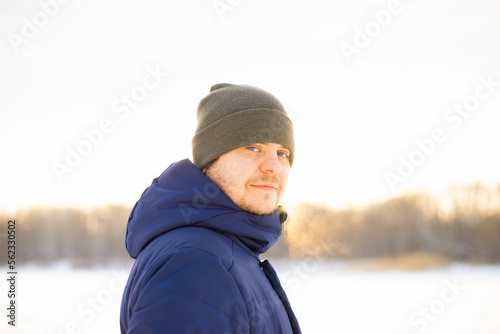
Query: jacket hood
[183, 196]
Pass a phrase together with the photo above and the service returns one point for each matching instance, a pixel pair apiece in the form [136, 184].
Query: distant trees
[464, 225]
[83, 237]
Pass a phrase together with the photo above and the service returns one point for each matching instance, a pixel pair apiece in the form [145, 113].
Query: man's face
[254, 176]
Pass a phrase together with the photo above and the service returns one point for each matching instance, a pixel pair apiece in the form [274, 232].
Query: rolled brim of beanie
[240, 129]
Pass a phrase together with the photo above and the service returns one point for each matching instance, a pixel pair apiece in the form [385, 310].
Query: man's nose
[271, 164]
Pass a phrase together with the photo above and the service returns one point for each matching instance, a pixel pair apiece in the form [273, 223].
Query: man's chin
[265, 209]
[261, 214]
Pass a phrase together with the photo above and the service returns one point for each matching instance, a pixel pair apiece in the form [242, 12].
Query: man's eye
[253, 148]
[283, 154]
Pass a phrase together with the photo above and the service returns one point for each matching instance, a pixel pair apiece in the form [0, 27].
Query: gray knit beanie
[233, 116]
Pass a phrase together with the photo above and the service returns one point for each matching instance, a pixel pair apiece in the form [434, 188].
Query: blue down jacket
[197, 267]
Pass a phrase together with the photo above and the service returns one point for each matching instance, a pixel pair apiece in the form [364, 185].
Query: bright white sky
[353, 119]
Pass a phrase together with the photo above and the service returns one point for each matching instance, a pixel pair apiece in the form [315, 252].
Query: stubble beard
[222, 178]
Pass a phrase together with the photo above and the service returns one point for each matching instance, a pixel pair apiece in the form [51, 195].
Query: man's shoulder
[211, 242]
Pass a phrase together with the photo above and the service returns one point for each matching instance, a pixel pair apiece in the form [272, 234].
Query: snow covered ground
[328, 297]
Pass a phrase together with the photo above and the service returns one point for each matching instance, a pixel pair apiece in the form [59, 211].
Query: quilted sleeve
[189, 291]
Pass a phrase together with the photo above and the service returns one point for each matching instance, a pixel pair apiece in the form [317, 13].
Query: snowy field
[327, 298]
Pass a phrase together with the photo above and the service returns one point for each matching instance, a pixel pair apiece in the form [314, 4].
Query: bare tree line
[84, 237]
[464, 226]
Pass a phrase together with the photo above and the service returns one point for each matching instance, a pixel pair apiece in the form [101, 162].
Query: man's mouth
[266, 186]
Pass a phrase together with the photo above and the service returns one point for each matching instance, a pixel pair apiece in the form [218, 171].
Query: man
[196, 233]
